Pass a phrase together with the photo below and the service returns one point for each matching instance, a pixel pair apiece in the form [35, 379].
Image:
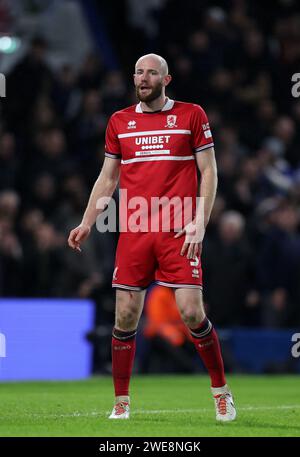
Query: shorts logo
[171, 121]
[115, 274]
[195, 272]
[195, 263]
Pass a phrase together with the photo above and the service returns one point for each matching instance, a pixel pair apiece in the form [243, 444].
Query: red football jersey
[157, 152]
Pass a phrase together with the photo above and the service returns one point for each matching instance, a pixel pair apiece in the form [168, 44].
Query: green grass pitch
[161, 406]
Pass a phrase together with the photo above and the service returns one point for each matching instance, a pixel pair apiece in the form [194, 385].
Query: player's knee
[127, 318]
[192, 316]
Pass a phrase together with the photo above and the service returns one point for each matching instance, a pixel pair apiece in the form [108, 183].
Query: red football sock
[207, 344]
[123, 352]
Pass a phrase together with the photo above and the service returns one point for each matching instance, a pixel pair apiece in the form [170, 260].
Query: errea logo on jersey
[131, 125]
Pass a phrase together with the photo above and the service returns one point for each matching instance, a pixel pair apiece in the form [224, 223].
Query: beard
[155, 93]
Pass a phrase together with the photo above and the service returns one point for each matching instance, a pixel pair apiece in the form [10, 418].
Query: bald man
[155, 148]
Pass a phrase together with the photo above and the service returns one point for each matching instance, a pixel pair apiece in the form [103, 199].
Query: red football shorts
[145, 257]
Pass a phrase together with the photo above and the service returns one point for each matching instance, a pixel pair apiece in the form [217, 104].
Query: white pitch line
[153, 411]
[243, 408]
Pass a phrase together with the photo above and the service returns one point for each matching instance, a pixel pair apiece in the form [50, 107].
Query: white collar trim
[167, 106]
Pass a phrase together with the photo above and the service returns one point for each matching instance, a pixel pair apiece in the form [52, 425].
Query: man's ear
[167, 79]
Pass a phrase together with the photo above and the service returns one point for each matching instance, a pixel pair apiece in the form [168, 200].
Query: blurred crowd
[234, 59]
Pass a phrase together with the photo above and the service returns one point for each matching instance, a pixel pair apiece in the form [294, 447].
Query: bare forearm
[103, 187]
[207, 191]
[195, 231]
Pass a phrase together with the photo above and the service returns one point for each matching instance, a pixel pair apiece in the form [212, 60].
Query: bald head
[155, 61]
[150, 79]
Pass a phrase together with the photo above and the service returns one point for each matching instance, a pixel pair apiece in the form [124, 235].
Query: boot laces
[120, 408]
[222, 404]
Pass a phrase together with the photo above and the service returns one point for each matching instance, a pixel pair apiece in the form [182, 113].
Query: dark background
[236, 59]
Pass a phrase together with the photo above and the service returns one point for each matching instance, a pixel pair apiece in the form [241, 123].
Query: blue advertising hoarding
[45, 339]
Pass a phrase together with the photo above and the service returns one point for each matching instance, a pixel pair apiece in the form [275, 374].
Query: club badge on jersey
[171, 121]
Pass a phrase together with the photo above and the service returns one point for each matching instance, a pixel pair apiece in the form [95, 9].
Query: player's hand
[192, 245]
[78, 235]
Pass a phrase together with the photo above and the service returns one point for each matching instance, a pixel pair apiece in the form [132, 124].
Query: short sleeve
[201, 133]
[112, 144]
